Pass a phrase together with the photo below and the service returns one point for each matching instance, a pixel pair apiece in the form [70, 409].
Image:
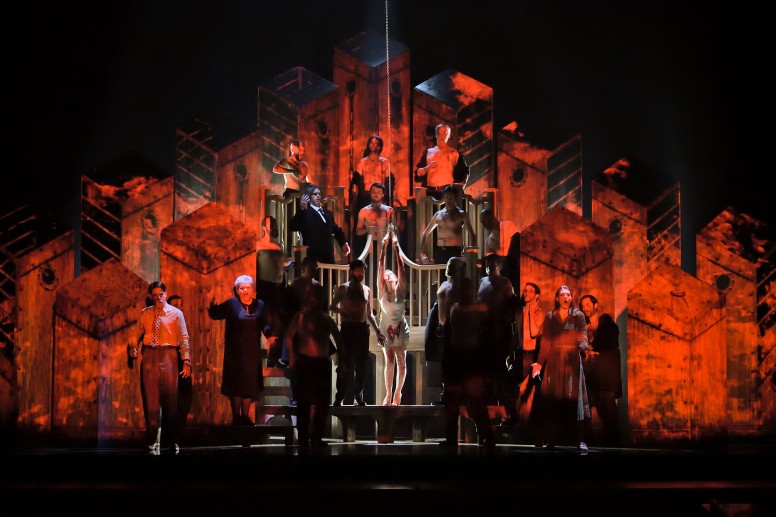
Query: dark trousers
[313, 389]
[159, 387]
[355, 342]
[444, 253]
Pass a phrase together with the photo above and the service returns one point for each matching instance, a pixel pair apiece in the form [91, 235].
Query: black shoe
[358, 401]
[318, 442]
[449, 443]
[282, 364]
[337, 402]
[440, 402]
[271, 363]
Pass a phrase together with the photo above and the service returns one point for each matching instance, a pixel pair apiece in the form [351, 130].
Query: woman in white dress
[391, 292]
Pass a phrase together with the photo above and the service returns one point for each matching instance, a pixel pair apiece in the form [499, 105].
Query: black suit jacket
[317, 235]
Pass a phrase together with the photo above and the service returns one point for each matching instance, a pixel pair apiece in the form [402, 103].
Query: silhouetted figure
[307, 340]
[497, 293]
[466, 367]
[602, 367]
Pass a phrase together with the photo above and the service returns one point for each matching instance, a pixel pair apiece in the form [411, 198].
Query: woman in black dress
[242, 375]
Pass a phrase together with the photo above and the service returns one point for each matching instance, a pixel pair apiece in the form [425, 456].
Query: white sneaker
[582, 447]
[153, 448]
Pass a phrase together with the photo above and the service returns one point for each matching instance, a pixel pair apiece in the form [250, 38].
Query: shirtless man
[312, 328]
[374, 168]
[449, 222]
[293, 168]
[353, 302]
[442, 164]
[375, 217]
[448, 294]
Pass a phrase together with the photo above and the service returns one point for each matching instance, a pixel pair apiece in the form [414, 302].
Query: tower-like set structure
[197, 228]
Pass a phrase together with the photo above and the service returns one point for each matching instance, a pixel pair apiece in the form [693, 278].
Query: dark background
[677, 87]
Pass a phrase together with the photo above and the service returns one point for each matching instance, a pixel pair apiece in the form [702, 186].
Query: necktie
[155, 327]
[320, 212]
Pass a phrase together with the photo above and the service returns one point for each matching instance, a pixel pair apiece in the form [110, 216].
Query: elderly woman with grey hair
[241, 378]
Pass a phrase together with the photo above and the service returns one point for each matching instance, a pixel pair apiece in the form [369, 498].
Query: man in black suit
[319, 231]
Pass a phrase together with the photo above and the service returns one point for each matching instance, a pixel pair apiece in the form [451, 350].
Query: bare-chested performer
[442, 165]
[353, 302]
[374, 218]
[448, 294]
[449, 222]
[293, 168]
[309, 360]
[374, 168]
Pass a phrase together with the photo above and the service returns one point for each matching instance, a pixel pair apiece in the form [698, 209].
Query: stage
[400, 478]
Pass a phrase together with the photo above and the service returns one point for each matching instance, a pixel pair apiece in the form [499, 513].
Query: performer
[442, 165]
[293, 168]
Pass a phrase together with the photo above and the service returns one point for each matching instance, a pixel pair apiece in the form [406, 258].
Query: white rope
[388, 103]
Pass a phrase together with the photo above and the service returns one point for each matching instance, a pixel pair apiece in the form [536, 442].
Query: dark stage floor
[402, 478]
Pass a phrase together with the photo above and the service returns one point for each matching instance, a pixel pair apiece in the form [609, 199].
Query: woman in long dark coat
[241, 378]
[563, 403]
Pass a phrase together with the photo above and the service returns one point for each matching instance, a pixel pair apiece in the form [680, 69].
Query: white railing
[422, 281]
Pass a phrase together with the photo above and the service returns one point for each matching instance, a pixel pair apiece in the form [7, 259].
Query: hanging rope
[388, 103]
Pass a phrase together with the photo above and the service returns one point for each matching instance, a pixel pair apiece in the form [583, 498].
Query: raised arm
[400, 274]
